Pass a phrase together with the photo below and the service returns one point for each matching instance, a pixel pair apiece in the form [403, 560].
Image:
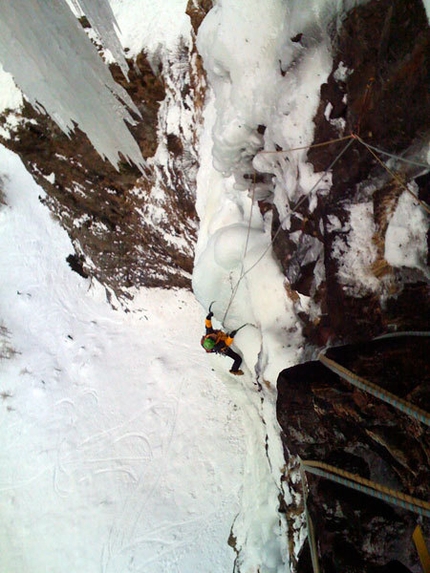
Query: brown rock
[325, 418]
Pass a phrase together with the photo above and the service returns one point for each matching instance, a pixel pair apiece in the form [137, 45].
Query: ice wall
[59, 70]
[102, 20]
[241, 63]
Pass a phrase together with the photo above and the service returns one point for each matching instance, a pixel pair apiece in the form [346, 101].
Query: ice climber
[219, 342]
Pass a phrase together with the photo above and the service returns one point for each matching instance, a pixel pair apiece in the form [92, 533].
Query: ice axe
[234, 332]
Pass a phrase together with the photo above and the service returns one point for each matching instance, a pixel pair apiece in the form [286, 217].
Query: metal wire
[302, 199]
[371, 388]
[367, 486]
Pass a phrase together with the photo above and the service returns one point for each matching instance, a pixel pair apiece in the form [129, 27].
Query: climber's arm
[230, 338]
[208, 323]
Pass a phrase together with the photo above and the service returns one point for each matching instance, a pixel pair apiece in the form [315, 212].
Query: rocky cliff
[379, 89]
[326, 419]
[128, 229]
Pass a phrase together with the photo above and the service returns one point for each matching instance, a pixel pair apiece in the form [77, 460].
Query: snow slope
[120, 449]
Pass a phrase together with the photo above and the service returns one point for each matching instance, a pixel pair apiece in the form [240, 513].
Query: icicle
[55, 64]
[102, 19]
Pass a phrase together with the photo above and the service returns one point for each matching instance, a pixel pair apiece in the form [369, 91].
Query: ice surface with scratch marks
[59, 70]
[120, 448]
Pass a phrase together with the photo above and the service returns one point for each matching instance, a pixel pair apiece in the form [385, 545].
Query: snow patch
[342, 72]
[406, 236]
[355, 253]
[152, 26]
[10, 94]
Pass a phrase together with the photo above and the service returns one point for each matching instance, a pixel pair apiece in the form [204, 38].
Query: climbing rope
[394, 156]
[394, 175]
[421, 546]
[350, 138]
[299, 203]
[367, 486]
[362, 485]
[354, 481]
[245, 250]
[301, 200]
[309, 523]
[374, 390]
[402, 333]
[322, 144]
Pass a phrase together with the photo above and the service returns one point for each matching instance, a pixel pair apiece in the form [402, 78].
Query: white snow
[355, 251]
[10, 95]
[406, 236]
[152, 25]
[242, 68]
[120, 449]
[342, 73]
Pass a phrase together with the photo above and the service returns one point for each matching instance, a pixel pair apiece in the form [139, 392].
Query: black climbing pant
[235, 356]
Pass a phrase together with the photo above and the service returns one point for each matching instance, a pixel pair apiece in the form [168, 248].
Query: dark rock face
[385, 99]
[325, 418]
